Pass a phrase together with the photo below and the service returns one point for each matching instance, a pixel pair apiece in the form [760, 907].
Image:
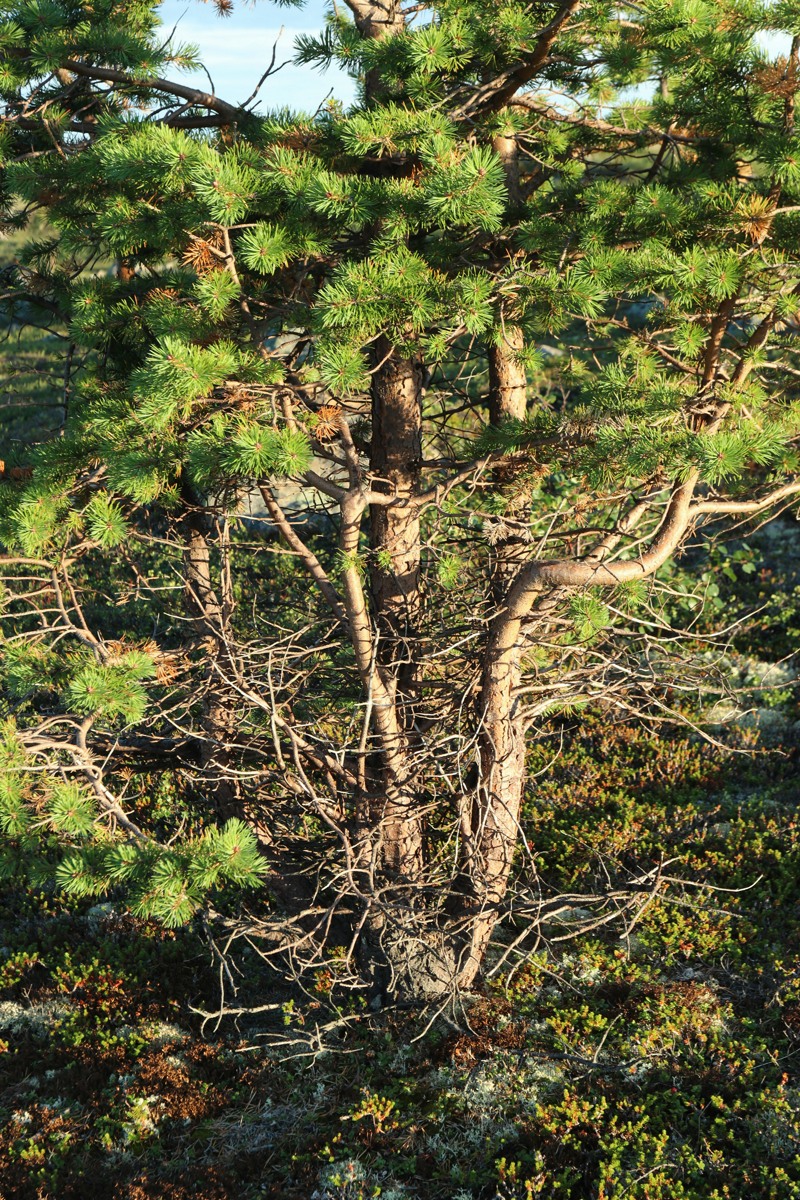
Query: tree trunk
[490, 823]
[377, 19]
[507, 381]
[490, 817]
[508, 399]
[395, 457]
[508, 384]
[507, 150]
[386, 665]
[210, 617]
[508, 389]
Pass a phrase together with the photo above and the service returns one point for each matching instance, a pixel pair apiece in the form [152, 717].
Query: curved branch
[497, 94]
[535, 576]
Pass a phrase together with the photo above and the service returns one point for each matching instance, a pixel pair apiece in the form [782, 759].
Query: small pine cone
[778, 79]
[167, 664]
[14, 472]
[510, 467]
[116, 651]
[755, 215]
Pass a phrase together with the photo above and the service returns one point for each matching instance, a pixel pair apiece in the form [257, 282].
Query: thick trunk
[395, 457]
[388, 669]
[376, 19]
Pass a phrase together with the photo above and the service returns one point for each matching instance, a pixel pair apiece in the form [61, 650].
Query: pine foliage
[228, 288]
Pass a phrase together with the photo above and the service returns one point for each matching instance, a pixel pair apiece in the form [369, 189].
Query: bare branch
[307, 557]
[193, 95]
[739, 507]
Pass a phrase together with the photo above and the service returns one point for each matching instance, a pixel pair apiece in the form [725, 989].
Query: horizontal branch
[192, 95]
[742, 507]
[326, 486]
[11, 560]
[552, 114]
[31, 124]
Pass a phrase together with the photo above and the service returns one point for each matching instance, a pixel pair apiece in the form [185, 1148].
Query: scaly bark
[491, 826]
[395, 457]
[508, 387]
[490, 823]
[376, 19]
[395, 545]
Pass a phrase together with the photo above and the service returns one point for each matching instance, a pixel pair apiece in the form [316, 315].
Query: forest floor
[661, 1065]
[656, 1066]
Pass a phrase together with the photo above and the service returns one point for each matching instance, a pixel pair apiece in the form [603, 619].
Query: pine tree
[506, 334]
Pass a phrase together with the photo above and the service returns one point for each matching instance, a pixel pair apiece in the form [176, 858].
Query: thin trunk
[507, 381]
[507, 150]
[490, 825]
[210, 617]
[492, 831]
[388, 832]
[508, 400]
[393, 814]
[508, 389]
[508, 384]
[490, 816]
